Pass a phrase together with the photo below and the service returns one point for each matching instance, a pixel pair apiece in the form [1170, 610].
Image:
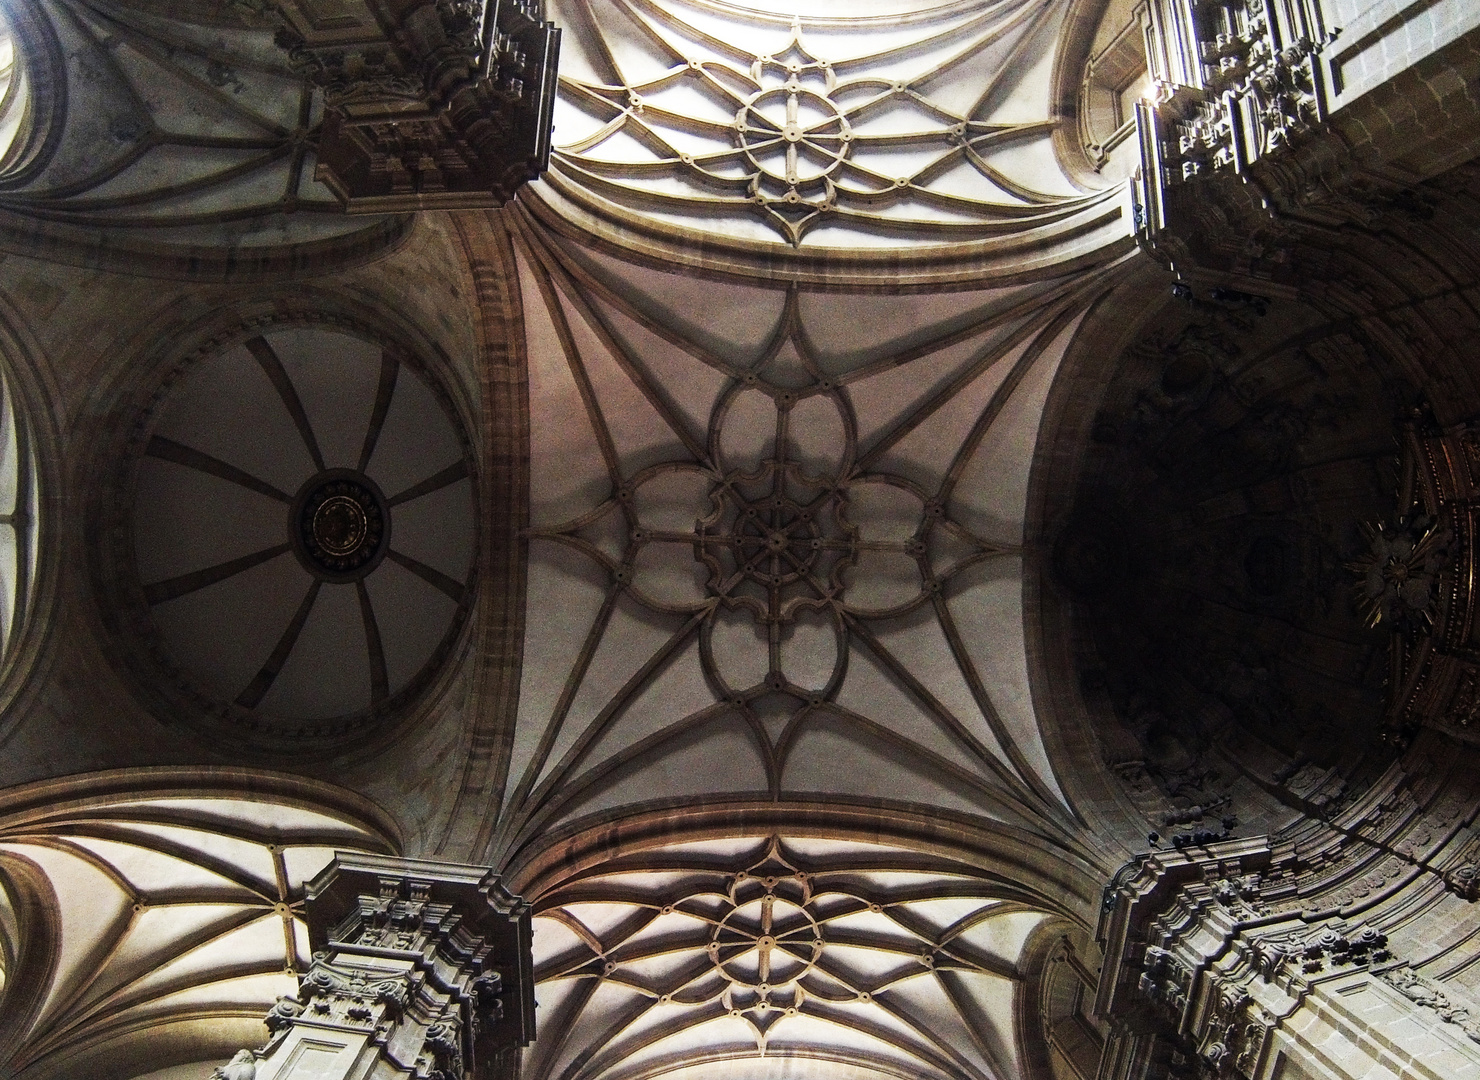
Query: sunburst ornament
[1398, 573]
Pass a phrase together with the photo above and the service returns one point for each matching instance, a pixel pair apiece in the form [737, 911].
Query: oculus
[340, 525]
[302, 526]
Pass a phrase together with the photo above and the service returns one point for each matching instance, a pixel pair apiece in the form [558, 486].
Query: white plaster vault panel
[171, 915]
[179, 130]
[871, 126]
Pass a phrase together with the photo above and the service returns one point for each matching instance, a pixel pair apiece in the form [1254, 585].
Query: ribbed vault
[775, 544]
[155, 915]
[906, 134]
[185, 133]
[776, 955]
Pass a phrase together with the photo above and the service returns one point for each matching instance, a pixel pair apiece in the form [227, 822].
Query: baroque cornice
[1216, 946]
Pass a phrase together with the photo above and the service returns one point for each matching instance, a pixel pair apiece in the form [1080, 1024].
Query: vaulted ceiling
[711, 609]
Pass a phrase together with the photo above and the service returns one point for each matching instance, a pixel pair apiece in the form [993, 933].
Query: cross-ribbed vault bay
[890, 540]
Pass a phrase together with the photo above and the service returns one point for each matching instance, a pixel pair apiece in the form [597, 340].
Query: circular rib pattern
[288, 443]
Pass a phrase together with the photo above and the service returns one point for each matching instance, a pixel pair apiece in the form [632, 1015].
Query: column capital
[420, 970]
[428, 104]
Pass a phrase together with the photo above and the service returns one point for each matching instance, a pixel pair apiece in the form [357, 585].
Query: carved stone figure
[241, 1067]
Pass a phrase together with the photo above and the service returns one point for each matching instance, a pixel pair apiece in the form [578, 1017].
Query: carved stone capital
[422, 967]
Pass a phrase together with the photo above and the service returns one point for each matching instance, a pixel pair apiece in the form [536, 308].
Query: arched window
[17, 517]
[15, 96]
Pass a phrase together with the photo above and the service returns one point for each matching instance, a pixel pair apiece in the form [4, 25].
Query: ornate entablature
[1263, 119]
[1237, 81]
[1231, 958]
[1236, 84]
[436, 104]
[1214, 956]
[422, 968]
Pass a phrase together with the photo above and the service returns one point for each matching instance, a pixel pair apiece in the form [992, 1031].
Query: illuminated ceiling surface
[784, 526]
[775, 552]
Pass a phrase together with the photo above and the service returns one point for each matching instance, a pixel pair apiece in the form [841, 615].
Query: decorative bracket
[422, 969]
[427, 103]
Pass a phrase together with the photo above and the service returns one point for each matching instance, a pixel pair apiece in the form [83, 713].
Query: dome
[303, 529]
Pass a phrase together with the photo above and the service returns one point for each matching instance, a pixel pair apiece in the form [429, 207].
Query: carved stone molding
[1211, 951]
[429, 103]
[1417, 580]
[1248, 140]
[421, 968]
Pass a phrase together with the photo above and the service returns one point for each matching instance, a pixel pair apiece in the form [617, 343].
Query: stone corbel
[428, 103]
[422, 970]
